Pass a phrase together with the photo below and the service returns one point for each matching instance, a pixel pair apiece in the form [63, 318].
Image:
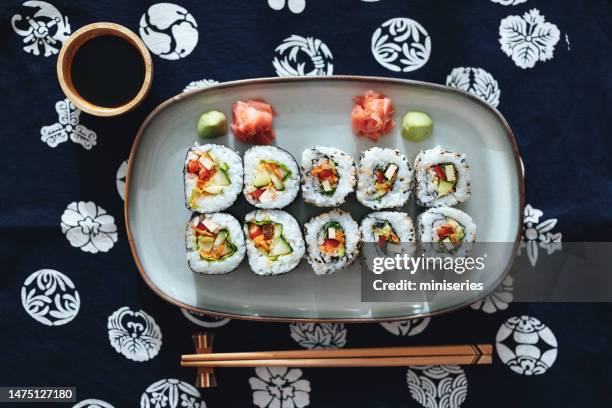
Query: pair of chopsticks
[357, 357]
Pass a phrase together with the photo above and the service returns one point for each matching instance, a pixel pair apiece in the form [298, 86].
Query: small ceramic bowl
[80, 37]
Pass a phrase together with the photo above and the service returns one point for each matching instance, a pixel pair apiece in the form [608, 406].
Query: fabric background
[560, 111]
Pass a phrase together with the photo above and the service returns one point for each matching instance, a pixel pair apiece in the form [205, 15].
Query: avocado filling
[385, 177]
[445, 178]
[327, 174]
[270, 177]
[334, 240]
[214, 242]
[384, 233]
[268, 238]
[450, 234]
[212, 175]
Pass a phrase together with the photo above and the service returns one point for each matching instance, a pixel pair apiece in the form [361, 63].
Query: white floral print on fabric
[199, 84]
[276, 387]
[526, 345]
[509, 2]
[134, 334]
[93, 403]
[410, 327]
[438, 386]
[476, 81]
[43, 29]
[538, 235]
[498, 300]
[169, 31]
[171, 393]
[401, 44]
[528, 39]
[210, 322]
[50, 297]
[319, 335]
[296, 6]
[299, 56]
[89, 227]
[120, 178]
[68, 127]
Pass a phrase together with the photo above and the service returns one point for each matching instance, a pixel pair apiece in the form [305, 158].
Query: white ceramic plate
[311, 111]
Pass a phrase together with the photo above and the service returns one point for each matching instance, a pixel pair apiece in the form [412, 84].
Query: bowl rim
[80, 37]
[357, 78]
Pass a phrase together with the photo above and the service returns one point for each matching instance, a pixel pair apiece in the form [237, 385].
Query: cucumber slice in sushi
[279, 247]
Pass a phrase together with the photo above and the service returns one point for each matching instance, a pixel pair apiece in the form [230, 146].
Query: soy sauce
[108, 71]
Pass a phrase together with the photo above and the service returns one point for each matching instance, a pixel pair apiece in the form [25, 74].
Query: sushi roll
[213, 178]
[333, 240]
[447, 227]
[442, 178]
[215, 243]
[385, 178]
[274, 242]
[392, 231]
[328, 176]
[271, 177]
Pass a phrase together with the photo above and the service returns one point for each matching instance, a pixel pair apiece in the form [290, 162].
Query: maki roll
[442, 178]
[213, 178]
[333, 240]
[271, 177]
[447, 227]
[392, 231]
[385, 178]
[215, 243]
[274, 242]
[328, 176]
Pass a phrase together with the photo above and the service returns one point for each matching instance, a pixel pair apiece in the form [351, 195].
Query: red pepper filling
[257, 193]
[439, 172]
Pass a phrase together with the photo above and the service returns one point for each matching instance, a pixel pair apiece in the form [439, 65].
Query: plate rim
[351, 78]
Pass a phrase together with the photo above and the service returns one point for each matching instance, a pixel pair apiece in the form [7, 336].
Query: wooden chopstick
[345, 362]
[356, 357]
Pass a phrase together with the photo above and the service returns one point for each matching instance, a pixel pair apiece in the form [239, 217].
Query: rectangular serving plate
[311, 111]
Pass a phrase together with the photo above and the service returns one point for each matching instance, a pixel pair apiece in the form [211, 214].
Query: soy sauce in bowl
[107, 71]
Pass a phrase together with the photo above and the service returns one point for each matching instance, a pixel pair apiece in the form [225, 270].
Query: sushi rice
[271, 177]
[442, 178]
[213, 178]
[328, 176]
[274, 242]
[205, 235]
[333, 240]
[385, 178]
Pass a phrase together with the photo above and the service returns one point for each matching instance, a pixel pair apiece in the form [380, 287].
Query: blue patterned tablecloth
[76, 312]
